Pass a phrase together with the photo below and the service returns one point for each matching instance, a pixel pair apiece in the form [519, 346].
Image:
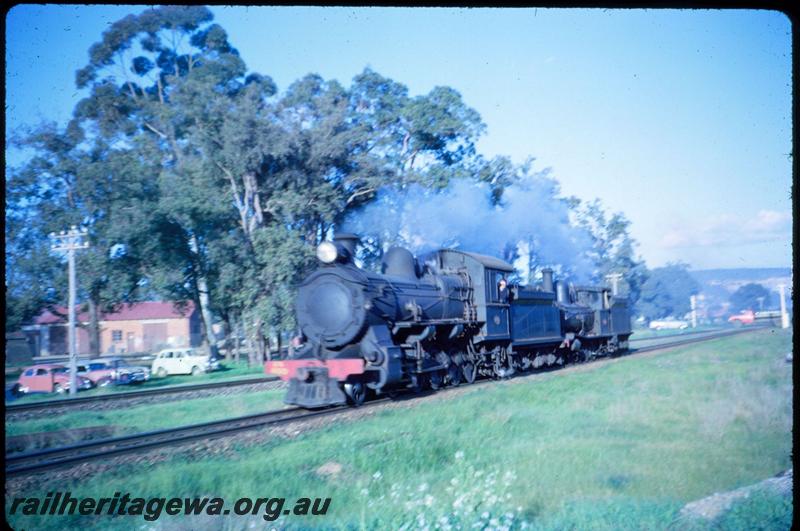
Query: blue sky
[679, 118]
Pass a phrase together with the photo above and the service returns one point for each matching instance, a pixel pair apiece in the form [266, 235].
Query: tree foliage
[667, 292]
[751, 296]
[612, 249]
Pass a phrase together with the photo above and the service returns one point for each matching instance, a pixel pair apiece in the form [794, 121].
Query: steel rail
[690, 340]
[666, 336]
[88, 451]
[80, 400]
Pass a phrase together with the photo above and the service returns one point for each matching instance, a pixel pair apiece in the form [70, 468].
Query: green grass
[229, 371]
[621, 445]
[155, 416]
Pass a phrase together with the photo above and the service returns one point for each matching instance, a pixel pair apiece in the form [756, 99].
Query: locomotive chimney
[348, 242]
[547, 280]
[561, 292]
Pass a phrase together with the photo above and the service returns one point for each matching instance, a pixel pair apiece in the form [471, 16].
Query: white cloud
[731, 230]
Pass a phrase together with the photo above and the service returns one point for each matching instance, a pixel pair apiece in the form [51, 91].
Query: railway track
[42, 460]
[697, 338]
[50, 458]
[679, 334]
[83, 400]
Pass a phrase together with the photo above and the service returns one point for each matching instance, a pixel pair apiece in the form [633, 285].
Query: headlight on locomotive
[327, 252]
[331, 308]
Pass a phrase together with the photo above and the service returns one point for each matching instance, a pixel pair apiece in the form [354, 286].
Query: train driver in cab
[503, 293]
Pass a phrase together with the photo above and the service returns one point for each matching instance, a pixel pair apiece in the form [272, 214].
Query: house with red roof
[138, 327]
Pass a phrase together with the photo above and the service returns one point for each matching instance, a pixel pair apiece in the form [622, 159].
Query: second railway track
[83, 400]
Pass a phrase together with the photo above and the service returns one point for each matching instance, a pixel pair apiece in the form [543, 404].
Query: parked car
[105, 371]
[670, 323]
[47, 378]
[182, 361]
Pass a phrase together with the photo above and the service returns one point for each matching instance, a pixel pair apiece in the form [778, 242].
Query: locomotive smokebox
[348, 241]
[547, 280]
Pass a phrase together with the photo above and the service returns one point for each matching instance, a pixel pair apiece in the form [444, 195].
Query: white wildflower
[377, 475]
[459, 454]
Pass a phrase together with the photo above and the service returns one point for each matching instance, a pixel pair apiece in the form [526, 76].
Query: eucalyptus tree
[70, 179]
[147, 80]
[612, 249]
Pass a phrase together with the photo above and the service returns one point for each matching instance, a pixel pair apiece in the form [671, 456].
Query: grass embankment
[621, 445]
[229, 371]
[153, 416]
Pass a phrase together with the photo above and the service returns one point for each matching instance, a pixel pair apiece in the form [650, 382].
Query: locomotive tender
[436, 320]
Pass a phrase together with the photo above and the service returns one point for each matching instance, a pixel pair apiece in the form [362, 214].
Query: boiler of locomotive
[339, 301]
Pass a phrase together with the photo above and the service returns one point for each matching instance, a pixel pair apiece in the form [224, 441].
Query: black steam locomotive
[438, 319]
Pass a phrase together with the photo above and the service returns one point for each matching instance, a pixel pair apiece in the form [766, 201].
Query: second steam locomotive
[438, 319]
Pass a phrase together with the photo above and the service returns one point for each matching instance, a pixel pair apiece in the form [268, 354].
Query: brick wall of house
[150, 327]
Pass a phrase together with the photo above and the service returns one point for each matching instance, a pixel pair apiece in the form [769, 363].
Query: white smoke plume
[463, 217]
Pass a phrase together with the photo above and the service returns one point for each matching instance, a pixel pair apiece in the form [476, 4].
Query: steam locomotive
[438, 319]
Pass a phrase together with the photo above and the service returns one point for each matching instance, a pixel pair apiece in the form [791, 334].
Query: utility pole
[784, 315]
[693, 303]
[70, 241]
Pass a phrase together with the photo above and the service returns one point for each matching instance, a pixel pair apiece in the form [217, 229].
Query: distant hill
[717, 285]
[742, 274]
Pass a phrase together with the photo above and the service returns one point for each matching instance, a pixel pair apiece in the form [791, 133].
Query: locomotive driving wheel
[356, 393]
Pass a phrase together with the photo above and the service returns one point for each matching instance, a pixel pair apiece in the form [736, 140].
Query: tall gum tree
[146, 79]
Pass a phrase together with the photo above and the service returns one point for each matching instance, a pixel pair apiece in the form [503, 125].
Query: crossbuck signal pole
[70, 241]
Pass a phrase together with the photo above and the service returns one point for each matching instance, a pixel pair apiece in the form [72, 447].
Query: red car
[47, 378]
[746, 317]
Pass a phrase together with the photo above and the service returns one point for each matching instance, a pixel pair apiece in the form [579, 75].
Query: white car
[182, 361]
[669, 324]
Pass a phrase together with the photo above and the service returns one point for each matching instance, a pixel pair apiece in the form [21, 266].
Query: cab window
[493, 287]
